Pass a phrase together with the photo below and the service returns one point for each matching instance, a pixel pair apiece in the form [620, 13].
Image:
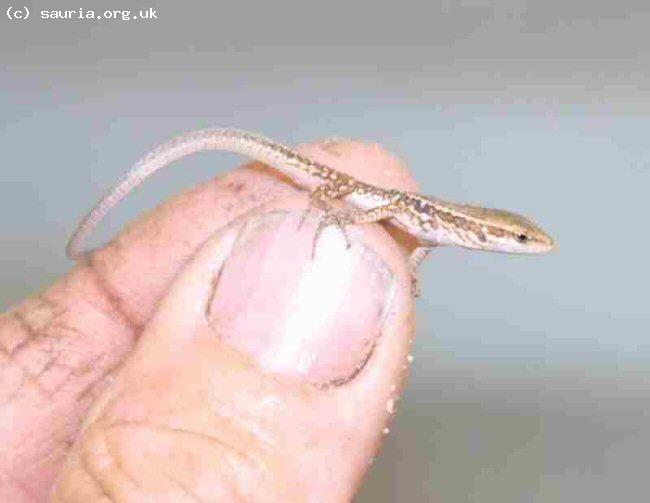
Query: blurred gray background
[531, 380]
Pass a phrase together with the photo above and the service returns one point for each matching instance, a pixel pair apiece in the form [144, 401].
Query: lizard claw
[314, 202]
[331, 217]
[303, 217]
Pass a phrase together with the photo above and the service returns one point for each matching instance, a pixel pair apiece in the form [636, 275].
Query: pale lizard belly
[426, 229]
[366, 201]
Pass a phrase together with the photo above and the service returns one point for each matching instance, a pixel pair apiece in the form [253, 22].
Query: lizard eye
[522, 238]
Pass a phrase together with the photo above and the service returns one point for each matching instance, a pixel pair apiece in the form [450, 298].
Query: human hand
[203, 354]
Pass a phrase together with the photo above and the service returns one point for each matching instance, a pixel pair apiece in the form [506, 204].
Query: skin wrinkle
[248, 424]
[101, 488]
[81, 370]
[28, 378]
[96, 477]
[37, 353]
[25, 315]
[40, 333]
[112, 297]
[117, 464]
[34, 379]
[26, 330]
[214, 285]
[73, 372]
[87, 366]
[182, 486]
[38, 305]
[244, 422]
[93, 389]
[66, 440]
[52, 335]
[63, 369]
[114, 314]
[218, 443]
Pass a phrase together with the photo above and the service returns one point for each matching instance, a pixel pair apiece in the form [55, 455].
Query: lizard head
[513, 233]
[500, 231]
[481, 228]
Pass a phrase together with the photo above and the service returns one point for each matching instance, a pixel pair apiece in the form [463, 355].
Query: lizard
[431, 221]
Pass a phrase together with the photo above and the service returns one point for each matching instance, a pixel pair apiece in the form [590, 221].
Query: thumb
[266, 374]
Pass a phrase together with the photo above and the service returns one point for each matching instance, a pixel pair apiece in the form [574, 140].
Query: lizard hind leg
[415, 259]
[322, 196]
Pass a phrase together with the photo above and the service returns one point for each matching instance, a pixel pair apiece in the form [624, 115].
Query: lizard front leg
[323, 195]
[343, 218]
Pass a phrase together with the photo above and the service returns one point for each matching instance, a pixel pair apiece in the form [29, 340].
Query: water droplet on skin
[390, 405]
[409, 358]
[393, 387]
[386, 431]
